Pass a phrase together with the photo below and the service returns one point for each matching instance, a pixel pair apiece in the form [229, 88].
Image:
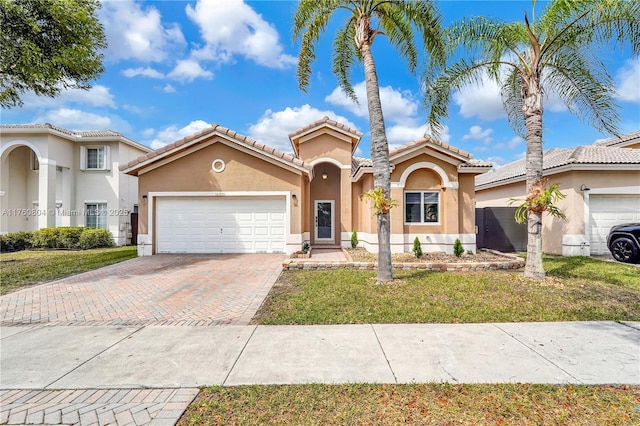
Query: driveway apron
[171, 289]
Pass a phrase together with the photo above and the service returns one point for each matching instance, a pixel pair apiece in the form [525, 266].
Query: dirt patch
[361, 255]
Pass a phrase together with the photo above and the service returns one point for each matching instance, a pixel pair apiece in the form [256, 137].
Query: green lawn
[428, 404]
[25, 268]
[576, 289]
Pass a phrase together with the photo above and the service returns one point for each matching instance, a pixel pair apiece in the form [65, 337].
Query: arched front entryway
[326, 205]
[19, 186]
[29, 184]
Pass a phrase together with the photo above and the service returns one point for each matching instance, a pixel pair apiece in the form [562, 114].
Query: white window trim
[422, 222]
[84, 157]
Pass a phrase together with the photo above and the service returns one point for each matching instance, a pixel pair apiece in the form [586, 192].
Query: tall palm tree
[365, 20]
[557, 53]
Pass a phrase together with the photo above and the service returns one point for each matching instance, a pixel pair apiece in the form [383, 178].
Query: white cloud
[169, 89]
[188, 70]
[144, 72]
[173, 133]
[231, 27]
[628, 79]
[397, 106]
[477, 133]
[273, 128]
[97, 96]
[482, 101]
[74, 119]
[136, 31]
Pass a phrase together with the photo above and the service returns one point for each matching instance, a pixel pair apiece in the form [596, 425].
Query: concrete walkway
[174, 357]
[149, 374]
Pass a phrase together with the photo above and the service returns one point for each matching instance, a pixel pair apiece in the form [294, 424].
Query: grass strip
[29, 267]
[580, 289]
[416, 404]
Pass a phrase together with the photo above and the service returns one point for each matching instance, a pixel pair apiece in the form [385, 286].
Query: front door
[325, 221]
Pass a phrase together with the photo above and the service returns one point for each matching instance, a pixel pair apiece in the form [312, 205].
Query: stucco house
[51, 177]
[601, 182]
[217, 191]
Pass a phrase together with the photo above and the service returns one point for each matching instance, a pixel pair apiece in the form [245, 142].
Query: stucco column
[47, 194]
[4, 197]
[345, 205]
[65, 197]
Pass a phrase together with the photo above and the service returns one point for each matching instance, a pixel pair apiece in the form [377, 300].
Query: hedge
[73, 238]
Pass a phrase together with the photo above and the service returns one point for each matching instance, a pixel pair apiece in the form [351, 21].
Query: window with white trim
[421, 207]
[96, 215]
[94, 157]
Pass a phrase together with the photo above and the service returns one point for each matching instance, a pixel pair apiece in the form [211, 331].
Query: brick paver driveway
[154, 290]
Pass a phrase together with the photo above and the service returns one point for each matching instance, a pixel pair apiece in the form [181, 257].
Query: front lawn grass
[25, 268]
[419, 404]
[576, 289]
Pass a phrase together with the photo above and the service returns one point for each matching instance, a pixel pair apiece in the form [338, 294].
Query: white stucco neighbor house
[51, 177]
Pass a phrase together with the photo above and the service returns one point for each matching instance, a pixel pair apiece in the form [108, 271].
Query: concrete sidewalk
[107, 357]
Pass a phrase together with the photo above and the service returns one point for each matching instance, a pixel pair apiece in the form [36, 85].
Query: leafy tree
[48, 45]
[554, 53]
[365, 21]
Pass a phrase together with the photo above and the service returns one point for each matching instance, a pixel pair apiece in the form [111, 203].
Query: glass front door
[324, 219]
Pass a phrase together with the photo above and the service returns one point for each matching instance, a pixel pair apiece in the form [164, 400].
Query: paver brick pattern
[154, 407]
[155, 290]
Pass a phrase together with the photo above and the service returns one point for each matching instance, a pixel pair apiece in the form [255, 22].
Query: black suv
[624, 242]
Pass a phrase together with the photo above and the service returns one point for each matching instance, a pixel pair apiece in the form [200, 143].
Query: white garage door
[606, 211]
[220, 225]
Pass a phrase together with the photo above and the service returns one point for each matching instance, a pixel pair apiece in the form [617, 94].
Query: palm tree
[365, 20]
[555, 53]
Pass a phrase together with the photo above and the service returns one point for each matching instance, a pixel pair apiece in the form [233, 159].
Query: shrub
[45, 238]
[458, 250]
[354, 239]
[305, 247]
[69, 237]
[95, 238]
[15, 241]
[417, 248]
[65, 237]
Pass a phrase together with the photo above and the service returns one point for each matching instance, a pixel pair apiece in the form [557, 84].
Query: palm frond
[511, 93]
[399, 32]
[585, 87]
[344, 57]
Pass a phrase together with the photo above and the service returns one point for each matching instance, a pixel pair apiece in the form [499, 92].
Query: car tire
[624, 250]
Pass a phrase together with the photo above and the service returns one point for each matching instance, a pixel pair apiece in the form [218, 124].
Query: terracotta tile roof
[325, 120]
[558, 157]
[445, 146]
[629, 138]
[216, 128]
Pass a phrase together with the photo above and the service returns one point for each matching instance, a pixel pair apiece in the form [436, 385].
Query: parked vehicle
[624, 242]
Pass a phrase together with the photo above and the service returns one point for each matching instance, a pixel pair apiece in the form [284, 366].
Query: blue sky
[174, 67]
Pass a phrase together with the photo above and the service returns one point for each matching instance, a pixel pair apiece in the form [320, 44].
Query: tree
[555, 53]
[48, 45]
[367, 19]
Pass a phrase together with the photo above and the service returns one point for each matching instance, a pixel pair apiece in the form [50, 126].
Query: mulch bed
[361, 255]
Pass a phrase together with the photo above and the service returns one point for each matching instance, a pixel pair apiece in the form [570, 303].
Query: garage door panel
[219, 225]
[606, 211]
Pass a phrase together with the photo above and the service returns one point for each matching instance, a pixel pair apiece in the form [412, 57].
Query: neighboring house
[220, 192]
[601, 183]
[51, 177]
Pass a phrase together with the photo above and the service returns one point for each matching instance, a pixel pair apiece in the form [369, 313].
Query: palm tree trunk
[380, 158]
[532, 109]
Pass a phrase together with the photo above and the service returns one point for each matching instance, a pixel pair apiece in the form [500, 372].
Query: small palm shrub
[458, 250]
[417, 248]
